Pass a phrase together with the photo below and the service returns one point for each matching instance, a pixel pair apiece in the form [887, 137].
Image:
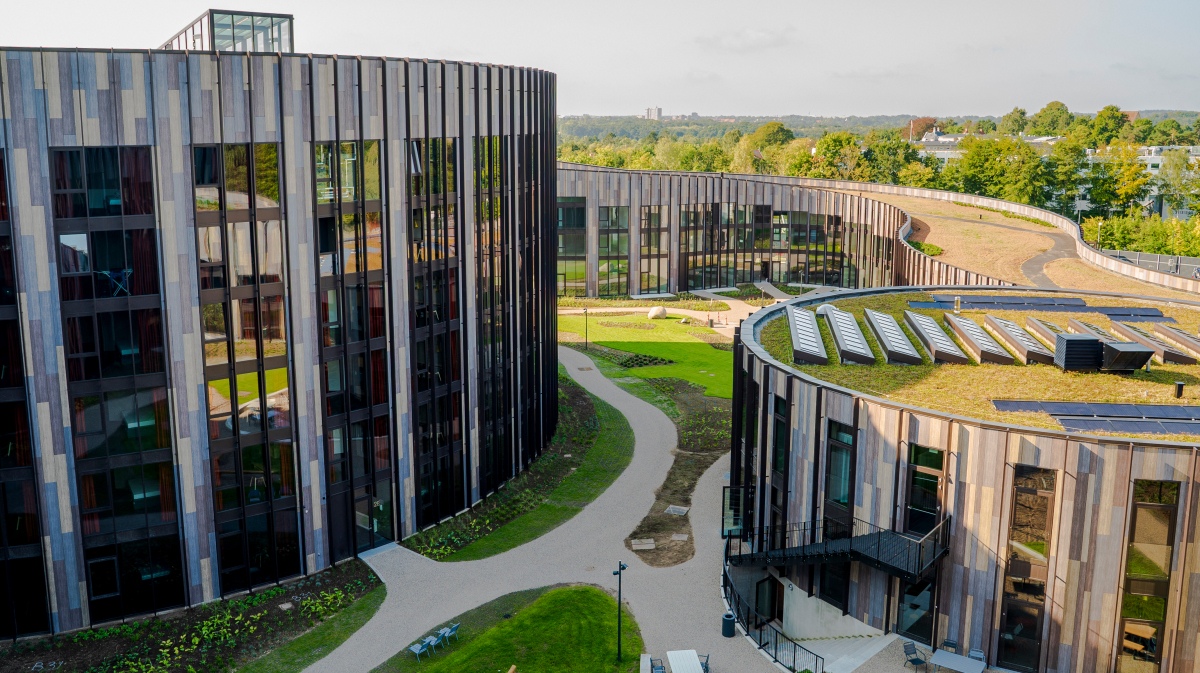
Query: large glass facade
[240, 242]
[352, 305]
[1026, 569]
[613, 276]
[572, 248]
[655, 261]
[1148, 560]
[103, 208]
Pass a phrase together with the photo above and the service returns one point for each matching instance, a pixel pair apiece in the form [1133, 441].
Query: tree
[1053, 120]
[918, 174]
[887, 152]
[919, 127]
[1006, 168]
[1178, 179]
[1014, 122]
[1130, 179]
[1107, 125]
[1066, 163]
[950, 126]
[1142, 130]
[837, 156]
[1166, 132]
[771, 133]
[985, 126]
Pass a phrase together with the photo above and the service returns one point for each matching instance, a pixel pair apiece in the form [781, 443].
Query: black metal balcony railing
[771, 640]
[833, 541]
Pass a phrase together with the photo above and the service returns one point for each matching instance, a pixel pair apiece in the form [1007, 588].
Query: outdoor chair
[911, 656]
[434, 641]
[703, 662]
[656, 666]
[951, 645]
[419, 649]
[977, 655]
[451, 630]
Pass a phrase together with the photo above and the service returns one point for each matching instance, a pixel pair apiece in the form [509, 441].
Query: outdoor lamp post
[585, 344]
[617, 572]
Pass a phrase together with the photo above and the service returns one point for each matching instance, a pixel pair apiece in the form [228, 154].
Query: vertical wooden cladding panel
[1092, 530]
[324, 108]
[98, 99]
[1187, 642]
[203, 73]
[63, 98]
[372, 112]
[34, 246]
[180, 294]
[234, 89]
[435, 75]
[131, 97]
[876, 468]
[968, 574]
[806, 429]
[347, 98]
[839, 407]
[395, 74]
[265, 73]
[295, 109]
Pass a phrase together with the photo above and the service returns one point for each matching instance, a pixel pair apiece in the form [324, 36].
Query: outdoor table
[956, 662]
[684, 661]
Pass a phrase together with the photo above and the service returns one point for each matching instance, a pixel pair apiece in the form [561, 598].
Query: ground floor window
[915, 616]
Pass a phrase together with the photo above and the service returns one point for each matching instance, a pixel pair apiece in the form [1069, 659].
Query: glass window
[283, 469]
[354, 312]
[335, 402]
[249, 404]
[245, 330]
[330, 318]
[216, 337]
[921, 456]
[254, 474]
[272, 327]
[323, 161]
[329, 244]
[149, 355]
[226, 489]
[108, 262]
[241, 253]
[837, 488]
[350, 244]
[220, 407]
[74, 253]
[137, 183]
[116, 344]
[348, 173]
[103, 181]
[205, 169]
[212, 258]
[841, 433]
[70, 199]
[141, 262]
[278, 402]
[372, 170]
[337, 455]
[270, 251]
[237, 177]
[266, 175]
[374, 250]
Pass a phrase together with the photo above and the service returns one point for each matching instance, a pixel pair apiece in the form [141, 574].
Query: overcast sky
[839, 57]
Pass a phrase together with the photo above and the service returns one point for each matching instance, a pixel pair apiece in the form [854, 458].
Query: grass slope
[695, 361]
[602, 464]
[312, 646]
[560, 630]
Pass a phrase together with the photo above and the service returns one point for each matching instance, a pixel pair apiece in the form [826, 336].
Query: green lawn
[563, 630]
[276, 380]
[695, 361]
[602, 464]
[323, 639]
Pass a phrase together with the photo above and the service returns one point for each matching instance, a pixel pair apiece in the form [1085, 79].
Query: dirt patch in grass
[620, 358]
[1077, 274]
[703, 427]
[212, 638]
[577, 430]
[683, 300]
[626, 325]
[969, 389]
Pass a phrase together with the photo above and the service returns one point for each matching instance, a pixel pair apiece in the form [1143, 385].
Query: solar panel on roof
[931, 304]
[1017, 405]
[1147, 318]
[941, 348]
[1167, 411]
[1185, 340]
[807, 345]
[1101, 409]
[847, 337]
[982, 346]
[1153, 427]
[1181, 428]
[1084, 425]
[896, 346]
[1009, 299]
[1163, 351]
[1066, 408]
[1026, 347]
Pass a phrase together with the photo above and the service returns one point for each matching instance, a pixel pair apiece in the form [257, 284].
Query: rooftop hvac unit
[1078, 352]
[1125, 356]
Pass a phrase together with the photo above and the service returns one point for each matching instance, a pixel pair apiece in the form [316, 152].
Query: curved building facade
[630, 232]
[260, 312]
[1041, 550]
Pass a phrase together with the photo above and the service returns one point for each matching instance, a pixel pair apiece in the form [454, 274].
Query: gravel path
[1032, 268]
[677, 608]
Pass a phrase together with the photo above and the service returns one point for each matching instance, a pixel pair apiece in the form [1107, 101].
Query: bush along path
[592, 447]
[212, 638]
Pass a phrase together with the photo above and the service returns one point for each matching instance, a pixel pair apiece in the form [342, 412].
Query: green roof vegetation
[967, 390]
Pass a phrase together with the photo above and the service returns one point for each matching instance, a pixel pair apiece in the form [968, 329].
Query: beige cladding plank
[54, 108]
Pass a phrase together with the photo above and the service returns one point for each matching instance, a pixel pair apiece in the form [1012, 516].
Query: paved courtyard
[677, 608]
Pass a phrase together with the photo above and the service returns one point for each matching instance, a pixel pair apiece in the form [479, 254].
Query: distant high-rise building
[654, 113]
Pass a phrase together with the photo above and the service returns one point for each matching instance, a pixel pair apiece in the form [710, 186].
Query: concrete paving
[677, 608]
[772, 291]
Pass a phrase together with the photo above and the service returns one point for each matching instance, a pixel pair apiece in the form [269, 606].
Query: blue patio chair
[434, 641]
[950, 645]
[703, 662]
[448, 631]
[419, 649]
[656, 666]
[911, 656]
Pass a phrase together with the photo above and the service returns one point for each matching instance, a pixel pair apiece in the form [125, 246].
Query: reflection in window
[266, 175]
[205, 170]
[1148, 560]
[237, 177]
[270, 251]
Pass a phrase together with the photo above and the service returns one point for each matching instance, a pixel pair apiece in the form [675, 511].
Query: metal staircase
[829, 541]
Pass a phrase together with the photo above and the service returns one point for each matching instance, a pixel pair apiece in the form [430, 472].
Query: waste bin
[727, 623]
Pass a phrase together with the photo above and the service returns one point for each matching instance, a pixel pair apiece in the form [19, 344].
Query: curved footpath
[677, 608]
[1034, 267]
